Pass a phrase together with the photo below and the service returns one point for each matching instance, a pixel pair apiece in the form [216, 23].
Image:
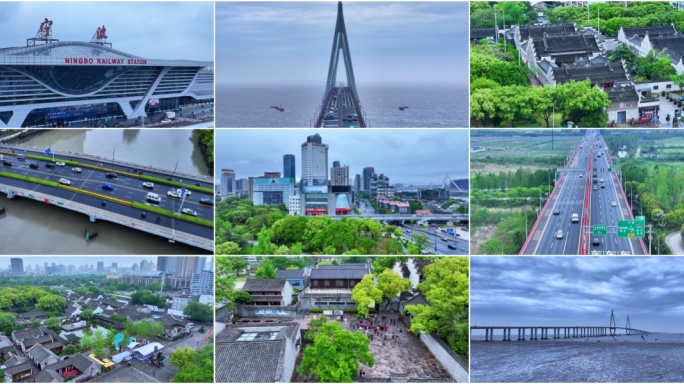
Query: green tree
[199, 312]
[51, 304]
[421, 241]
[69, 350]
[54, 324]
[335, 354]
[243, 297]
[194, 366]
[678, 80]
[81, 290]
[224, 281]
[365, 294]
[7, 323]
[391, 284]
[446, 288]
[228, 248]
[266, 271]
[313, 326]
[86, 315]
[154, 287]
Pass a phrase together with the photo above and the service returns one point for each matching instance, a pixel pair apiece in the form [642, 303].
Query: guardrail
[95, 213]
[203, 178]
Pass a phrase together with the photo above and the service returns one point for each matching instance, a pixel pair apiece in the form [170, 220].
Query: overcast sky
[122, 261]
[153, 30]
[406, 42]
[578, 291]
[407, 156]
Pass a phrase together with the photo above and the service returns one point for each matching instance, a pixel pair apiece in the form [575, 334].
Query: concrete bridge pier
[93, 218]
[544, 333]
[535, 334]
[10, 194]
[506, 334]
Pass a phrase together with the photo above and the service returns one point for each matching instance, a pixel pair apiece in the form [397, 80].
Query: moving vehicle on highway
[33, 165]
[111, 175]
[153, 197]
[60, 163]
[174, 194]
[76, 170]
[148, 184]
[65, 181]
[559, 234]
[188, 211]
[107, 187]
[207, 201]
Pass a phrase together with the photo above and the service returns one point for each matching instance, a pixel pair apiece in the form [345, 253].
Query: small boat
[90, 235]
[278, 108]
[403, 106]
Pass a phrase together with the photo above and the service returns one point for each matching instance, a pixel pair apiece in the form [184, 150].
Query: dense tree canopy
[194, 366]
[199, 312]
[335, 354]
[446, 288]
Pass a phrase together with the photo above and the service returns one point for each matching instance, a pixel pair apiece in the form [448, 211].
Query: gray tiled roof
[37, 340]
[538, 31]
[565, 43]
[27, 333]
[290, 274]
[622, 94]
[609, 72]
[250, 362]
[79, 361]
[18, 368]
[674, 45]
[264, 285]
[655, 30]
[482, 33]
[48, 377]
[39, 353]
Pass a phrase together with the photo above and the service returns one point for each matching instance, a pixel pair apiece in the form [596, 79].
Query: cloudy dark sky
[578, 291]
[421, 156]
[154, 30]
[410, 42]
[122, 261]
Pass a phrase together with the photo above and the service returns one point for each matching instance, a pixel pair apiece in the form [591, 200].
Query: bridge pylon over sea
[541, 332]
[340, 106]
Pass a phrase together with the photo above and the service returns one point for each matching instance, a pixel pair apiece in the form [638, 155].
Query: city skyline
[251, 37]
[153, 30]
[122, 261]
[578, 291]
[417, 157]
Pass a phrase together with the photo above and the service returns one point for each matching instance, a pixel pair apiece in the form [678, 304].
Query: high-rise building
[289, 166]
[227, 182]
[272, 191]
[314, 162]
[187, 265]
[339, 175]
[368, 173]
[115, 266]
[100, 267]
[143, 265]
[17, 266]
[357, 183]
[202, 283]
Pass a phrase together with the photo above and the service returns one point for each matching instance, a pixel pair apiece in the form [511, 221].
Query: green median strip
[176, 184]
[169, 213]
[134, 204]
[29, 179]
[50, 159]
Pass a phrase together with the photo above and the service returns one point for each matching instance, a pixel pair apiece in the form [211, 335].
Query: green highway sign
[632, 228]
[613, 167]
[599, 229]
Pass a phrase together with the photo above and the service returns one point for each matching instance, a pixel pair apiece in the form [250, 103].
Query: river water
[657, 357]
[31, 228]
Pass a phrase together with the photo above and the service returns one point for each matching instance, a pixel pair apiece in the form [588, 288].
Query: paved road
[339, 108]
[557, 234]
[125, 187]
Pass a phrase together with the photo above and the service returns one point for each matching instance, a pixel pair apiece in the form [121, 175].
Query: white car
[613, 204]
[187, 192]
[174, 194]
[60, 163]
[148, 184]
[65, 181]
[189, 211]
[75, 169]
[559, 234]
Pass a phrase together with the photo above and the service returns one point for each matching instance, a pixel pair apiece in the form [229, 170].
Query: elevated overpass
[35, 176]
